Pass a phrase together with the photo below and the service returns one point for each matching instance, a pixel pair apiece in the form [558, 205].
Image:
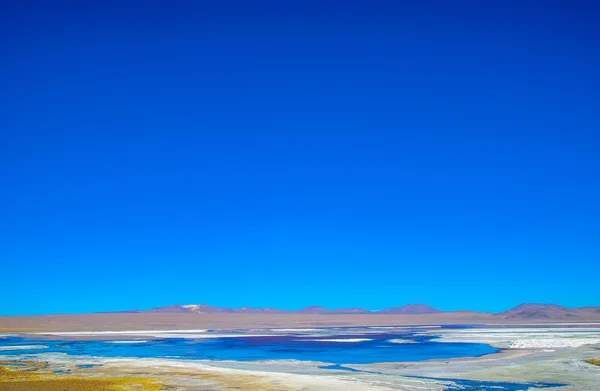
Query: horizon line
[377, 311]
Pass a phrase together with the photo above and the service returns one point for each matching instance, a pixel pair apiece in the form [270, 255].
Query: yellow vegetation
[34, 376]
[16, 378]
[595, 362]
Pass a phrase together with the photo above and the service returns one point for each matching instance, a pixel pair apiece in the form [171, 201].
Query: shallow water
[473, 385]
[336, 349]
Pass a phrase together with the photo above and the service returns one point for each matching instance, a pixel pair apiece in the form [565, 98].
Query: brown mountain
[170, 309]
[411, 309]
[533, 311]
[313, 309]
[522, 312]
[206, 309]
[251, 310]
[349, 311]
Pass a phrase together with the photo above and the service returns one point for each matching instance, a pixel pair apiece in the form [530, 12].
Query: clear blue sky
[340, 153]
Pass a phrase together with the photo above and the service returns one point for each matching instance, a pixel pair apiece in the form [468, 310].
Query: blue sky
[283, 154]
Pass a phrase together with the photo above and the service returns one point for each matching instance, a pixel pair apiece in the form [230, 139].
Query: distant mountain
[349, 311]
[198, 308]
[529, 311]
[538, 307]
[206, 309]
[170, 309]
[313, 309]
[251, 310]
[590, 309]
[411, 309]
[522, 312]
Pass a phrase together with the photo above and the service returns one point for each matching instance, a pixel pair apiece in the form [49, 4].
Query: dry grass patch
[26, 376]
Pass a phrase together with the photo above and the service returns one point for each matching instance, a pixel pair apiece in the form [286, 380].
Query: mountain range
[207, 309]
[202, 316]
[524, 311]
